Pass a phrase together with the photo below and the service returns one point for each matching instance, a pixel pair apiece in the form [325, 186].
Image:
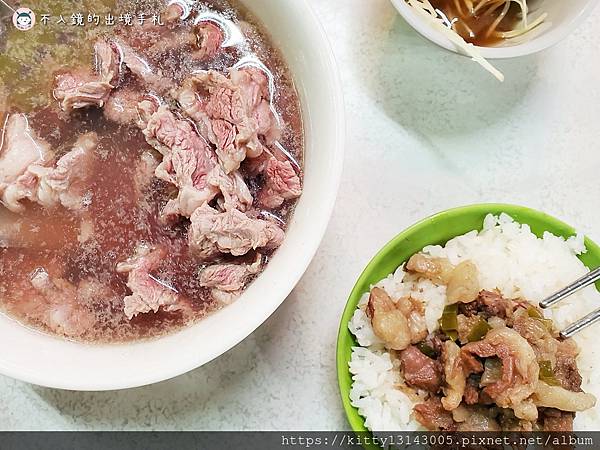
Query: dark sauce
[121, 218]
[478, 27]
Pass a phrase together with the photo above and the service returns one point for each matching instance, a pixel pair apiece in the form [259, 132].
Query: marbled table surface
[427, 130]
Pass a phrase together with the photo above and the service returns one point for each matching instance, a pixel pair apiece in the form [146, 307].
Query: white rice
[509, 258]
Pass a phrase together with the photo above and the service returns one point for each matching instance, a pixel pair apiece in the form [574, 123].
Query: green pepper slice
[547, 374]
[449, 319]
[479, 330]
[426, 350]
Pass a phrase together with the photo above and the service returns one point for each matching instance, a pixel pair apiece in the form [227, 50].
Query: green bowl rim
[488, 208]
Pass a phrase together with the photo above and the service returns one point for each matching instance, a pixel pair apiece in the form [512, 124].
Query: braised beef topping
[556, 420]
[420, 371]
[471, 396]
[495, 363]
[432, 415]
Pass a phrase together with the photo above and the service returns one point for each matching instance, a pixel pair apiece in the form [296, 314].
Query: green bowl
[437, 229]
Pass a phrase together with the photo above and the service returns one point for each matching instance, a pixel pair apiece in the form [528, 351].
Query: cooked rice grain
[510, 258]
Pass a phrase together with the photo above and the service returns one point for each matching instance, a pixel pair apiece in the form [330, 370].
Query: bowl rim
[549, 39]
[338, 131]
[345, 338]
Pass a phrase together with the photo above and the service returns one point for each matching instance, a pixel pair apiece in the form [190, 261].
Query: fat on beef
[107, 62]
[66, 182]
[21, 150]
[82, 88]
[28, 171]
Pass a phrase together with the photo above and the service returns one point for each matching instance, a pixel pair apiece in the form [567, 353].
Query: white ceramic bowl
[563, 17]
[44, 360]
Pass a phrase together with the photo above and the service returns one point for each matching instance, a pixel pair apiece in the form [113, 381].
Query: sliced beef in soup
[148, 292]
[213, 232]
[226, 281]
[281, 183]
[82, 88]
[31, 174]
[234, 112]
[154, 178]
[21, 149]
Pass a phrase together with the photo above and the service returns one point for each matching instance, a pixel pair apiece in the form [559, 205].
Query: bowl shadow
[434, 92]
[205, 398]
[180, 403]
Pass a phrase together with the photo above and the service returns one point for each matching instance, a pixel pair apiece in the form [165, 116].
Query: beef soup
[147, 171]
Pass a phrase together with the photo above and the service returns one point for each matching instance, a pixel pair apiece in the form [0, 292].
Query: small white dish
[563, 17]
[49, 361]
